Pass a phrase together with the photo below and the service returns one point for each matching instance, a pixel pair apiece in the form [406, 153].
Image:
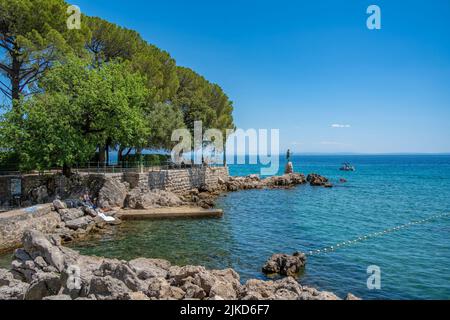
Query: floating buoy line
[345, 244]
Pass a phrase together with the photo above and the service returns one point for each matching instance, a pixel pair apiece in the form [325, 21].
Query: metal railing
[105, 168]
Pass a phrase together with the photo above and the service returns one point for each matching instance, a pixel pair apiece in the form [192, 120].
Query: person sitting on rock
[87, 200]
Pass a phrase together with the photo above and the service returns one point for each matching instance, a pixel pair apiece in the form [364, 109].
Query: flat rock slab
[169, 213]
[30, 212]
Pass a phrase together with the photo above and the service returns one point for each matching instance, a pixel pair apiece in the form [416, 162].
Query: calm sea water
[385, 191]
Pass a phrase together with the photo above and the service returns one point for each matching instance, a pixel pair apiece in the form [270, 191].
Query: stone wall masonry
[14, 223]
[33, 187]
[136, 180]
[213, 175]
[39, 189]
[183, 180]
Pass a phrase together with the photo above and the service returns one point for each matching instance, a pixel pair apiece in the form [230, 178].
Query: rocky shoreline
[72, 221]
[45, 270]
[42, 268]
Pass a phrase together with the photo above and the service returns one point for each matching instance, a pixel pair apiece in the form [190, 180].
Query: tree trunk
[225, 154]
[15, 78]
[108, 144]
[101, 154]
[107, 154]
[67, 171]
[120, 154]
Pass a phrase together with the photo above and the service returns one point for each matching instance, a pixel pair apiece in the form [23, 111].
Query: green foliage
[202, 101]
[9, 161]
[33, 35]
[47, 136]
[163, 120]
[160, 70]
[109, 41]
[127, 94]
[80, 108]
[191, 98]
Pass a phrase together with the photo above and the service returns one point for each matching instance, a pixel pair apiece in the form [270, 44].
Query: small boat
[347, 167]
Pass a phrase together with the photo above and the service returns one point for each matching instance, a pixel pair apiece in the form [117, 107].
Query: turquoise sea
[385, 191]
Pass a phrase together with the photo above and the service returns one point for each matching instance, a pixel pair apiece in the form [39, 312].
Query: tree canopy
[79, 109]
[78, 92]
[33, 35]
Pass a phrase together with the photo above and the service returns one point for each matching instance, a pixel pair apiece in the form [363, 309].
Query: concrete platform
[169, 213]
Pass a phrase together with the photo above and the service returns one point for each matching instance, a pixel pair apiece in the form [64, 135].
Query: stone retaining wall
[38, 189]
[183, 180]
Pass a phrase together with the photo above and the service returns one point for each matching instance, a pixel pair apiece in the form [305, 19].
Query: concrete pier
[169, 213]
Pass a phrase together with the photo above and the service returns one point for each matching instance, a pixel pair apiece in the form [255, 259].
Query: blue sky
[302, 66]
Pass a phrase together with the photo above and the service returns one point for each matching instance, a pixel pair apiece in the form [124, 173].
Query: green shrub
[9, 161]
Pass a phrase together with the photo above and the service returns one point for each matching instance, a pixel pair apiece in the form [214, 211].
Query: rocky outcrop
[11, 288]
[70, 214]
[284, 289]
[78, 222]
[46, 270]
[285, 181]
[352, 297]
[14, 223]
[205, 197]
[318, 181]
[284, 264]
[39, 195]
[255, 182]
[145, 199]
[112, 194]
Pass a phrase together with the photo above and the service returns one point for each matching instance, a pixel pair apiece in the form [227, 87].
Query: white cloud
[336, 125]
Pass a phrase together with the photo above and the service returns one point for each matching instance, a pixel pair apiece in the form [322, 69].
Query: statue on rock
[289, 166]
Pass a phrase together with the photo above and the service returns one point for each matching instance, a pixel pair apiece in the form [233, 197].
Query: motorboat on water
[347, 167]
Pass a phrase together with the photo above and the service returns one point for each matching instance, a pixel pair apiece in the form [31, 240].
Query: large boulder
[177, 274]
[352, 297]
[89, 211]
[48, 269]
[150, 268]
[193, 291]
[11, 288]
[58, 204]
[284, 289]
[161, 289]
[255, 182]
[43, 285]
[39, 194]
[70, 214]
[36, 244]
[122, 272]
[145, 199]
[284, 264]
[112, 194]
[318, 181]
[80, 223]
[198, 282]
[108, 288]
[224, 290]
[287, 180]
